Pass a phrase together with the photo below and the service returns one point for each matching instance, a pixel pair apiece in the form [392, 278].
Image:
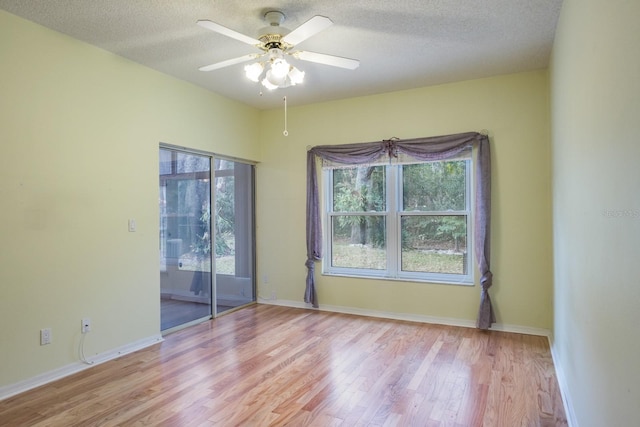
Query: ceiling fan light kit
[254, 71]
[276, 42]
[279, 72]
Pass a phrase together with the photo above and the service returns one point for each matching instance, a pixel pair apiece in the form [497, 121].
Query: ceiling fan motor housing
[274, 41]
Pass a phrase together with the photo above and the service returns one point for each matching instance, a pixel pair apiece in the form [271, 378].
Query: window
[408, 221]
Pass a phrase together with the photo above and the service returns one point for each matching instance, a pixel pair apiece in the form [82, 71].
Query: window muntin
[407, 221]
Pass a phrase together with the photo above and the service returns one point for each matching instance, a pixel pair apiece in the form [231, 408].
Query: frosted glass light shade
[253, 71]
[296, 76]
[266, 83]
[279, 68]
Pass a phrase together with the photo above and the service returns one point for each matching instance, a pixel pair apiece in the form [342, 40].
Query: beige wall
[79, 135]
[596, 199]
[515, 111]
[78, 158]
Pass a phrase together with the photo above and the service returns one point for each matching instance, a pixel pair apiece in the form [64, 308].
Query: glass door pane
[234, 234]
[185, 238]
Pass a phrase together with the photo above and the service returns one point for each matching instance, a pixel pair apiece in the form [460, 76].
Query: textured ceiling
[401, 44]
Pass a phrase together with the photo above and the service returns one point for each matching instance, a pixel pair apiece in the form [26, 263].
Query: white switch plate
[45, 336]
[132, 225]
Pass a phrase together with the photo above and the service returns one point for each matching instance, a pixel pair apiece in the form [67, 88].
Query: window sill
[462, 282]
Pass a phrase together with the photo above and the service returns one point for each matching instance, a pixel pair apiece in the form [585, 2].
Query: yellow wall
[78, 157]
[79, 135]
[596, 209]
[515, 111]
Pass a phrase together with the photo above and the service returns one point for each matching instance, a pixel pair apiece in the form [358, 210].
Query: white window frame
[393, 221]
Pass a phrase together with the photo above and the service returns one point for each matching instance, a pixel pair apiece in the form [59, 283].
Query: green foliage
[440, 187]
[349, 256]
[202, 243]
[434, 186]
[426, 187]
[225, 216]
[360, 189]
[452, 227]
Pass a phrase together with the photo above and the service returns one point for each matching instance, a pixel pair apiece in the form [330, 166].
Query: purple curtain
[432, 148]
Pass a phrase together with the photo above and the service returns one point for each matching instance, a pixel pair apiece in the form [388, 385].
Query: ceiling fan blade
[229, 62]
[321, 58]
[221, 29]
[311, 27]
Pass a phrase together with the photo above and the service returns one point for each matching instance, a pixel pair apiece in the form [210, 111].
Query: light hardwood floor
[268, 365]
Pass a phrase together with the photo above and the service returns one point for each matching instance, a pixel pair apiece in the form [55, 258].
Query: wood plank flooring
[276, 366]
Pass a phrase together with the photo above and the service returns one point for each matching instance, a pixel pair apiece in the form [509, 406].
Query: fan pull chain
[285, 132]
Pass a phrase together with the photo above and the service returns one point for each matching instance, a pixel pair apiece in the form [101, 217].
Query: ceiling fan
[276, 42]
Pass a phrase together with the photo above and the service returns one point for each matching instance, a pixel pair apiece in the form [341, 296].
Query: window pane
[359, 189]
[434, 186]
[434, 244]
[358, 242]
[233, 231]
[185, 243]
[223, 164]
[166, 157]
[225, 241]
[188, 163]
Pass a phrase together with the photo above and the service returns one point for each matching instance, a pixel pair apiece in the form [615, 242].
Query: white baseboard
[563, 385]
[56, 374]
[466, 323]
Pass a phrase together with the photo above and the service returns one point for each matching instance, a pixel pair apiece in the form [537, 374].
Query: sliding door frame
[212, 197]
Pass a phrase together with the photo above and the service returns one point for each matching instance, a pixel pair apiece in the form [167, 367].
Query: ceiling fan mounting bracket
[274, 17]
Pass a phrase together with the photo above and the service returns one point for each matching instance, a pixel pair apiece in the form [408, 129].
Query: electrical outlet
[86, 325]
[45, 336]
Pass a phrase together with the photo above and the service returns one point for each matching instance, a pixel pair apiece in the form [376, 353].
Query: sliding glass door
[234, 234]
[206, 249]
[185, 243]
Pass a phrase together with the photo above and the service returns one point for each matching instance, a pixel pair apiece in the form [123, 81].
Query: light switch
[132, 225]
